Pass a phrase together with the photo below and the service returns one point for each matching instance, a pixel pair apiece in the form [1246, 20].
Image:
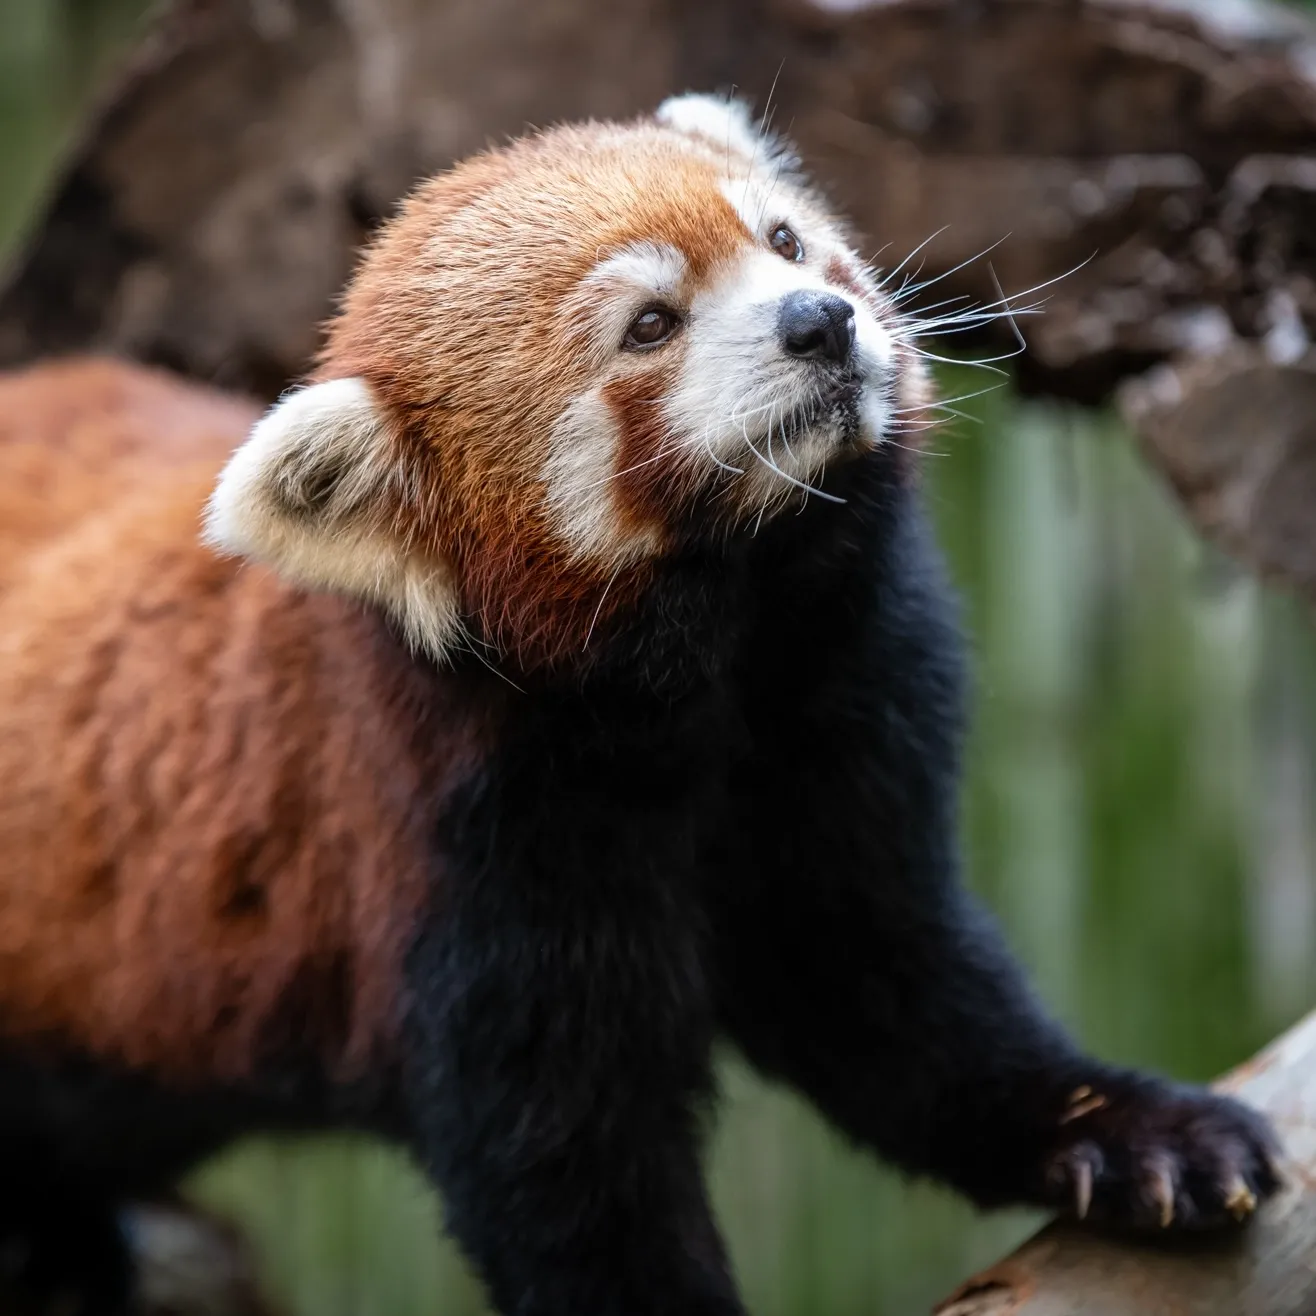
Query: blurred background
[1140, 813]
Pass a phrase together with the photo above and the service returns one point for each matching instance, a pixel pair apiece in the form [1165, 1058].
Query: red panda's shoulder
[203, 774]
[76, 434]
[107, 411]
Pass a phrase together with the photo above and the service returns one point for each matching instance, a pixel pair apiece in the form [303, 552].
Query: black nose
[816, 325]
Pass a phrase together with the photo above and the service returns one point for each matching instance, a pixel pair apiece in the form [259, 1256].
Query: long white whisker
[767, 197]
[754, 158]
[911, 255]
[915, 425]
[790, 479]
[1019, 338]
[595, 619]
[765, 122]
[648, 461]
[899, 294]
[918, 452]
[871, 263]
[916, 327]
[986, 364]
[1005, 302]
[918, 287]
[731, 94]
[707, 441]
[922, 311]
[941, 402]
[479, 657]
[767, 493]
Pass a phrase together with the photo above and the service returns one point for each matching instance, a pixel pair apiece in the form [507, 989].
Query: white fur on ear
[308, 494]
[723, 121]
[727, 124]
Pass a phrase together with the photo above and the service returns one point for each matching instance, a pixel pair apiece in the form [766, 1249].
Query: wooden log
[1268, 1269]
[1235, 435]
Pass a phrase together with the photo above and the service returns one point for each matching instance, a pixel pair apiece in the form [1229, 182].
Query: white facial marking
[617, 289]
[738, 390]
[655, 267]
[581, 479]
[875, 356]
[750, 197]
[581, 471]
[738, 409]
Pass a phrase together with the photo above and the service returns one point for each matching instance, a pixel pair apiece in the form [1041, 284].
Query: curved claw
[1073, 1174]
[1240, 1200]
[1160, 1186]
[1082, 1187]
[1082, 1101]
[1077, 1171]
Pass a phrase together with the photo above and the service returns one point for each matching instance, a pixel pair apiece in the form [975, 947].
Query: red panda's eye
[651, 327]
[786, 244]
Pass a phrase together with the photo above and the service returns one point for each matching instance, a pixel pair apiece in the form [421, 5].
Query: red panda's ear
[722, 120]
[314, 492]
[728, 125]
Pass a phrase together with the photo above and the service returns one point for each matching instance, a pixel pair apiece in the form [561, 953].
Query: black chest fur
[738, 822]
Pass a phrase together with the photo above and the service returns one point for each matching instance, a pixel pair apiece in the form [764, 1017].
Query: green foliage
[51, 52]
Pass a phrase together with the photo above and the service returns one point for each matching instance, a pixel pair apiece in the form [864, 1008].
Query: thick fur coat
[567, 680]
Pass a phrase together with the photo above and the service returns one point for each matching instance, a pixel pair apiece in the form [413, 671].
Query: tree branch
[1268, 1271]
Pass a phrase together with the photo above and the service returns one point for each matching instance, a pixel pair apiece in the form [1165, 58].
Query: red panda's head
[565, 361]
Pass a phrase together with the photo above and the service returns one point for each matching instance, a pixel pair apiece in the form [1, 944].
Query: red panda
[562, 679]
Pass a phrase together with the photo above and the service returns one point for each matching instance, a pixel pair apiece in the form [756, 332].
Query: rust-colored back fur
[73, 436]
[215, 755]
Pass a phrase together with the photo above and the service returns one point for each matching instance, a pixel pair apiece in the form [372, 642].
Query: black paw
[1144, 1155]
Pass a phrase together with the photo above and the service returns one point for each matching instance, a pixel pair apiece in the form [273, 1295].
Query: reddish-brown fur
[253, 847]
[71, 434]
[484, 506]
[230, 862]
[200, 841]
[228, 762]
[645, 485]
[219, 754]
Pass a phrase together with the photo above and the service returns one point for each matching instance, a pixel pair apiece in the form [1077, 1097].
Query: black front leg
[555, 1082]
[917, 1037]
[854, 966]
